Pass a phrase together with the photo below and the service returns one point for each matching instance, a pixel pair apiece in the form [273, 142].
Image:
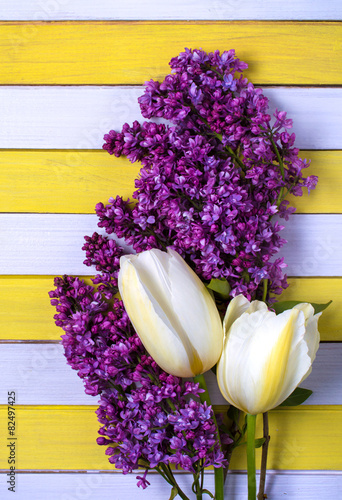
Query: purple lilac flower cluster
[104, 254]
[149, 418]
[212, 179]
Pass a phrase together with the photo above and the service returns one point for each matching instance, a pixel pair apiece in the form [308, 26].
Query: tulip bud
[172, 312]
[265, 356]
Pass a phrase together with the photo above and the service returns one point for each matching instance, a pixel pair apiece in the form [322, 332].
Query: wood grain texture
[64, 117]
[121, 52]
[26, 313]
[313, 246]
[41, 376]
[74, 181]
[48, 244]
[295, 485]
[63, 438]
[328, 195]
[49, 10]
[320, 290]
[68, 187]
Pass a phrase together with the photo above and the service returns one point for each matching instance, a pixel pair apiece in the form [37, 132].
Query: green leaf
[298, 397]
[259, 442]
[174, 493]
[280, 307]
[320, 307]
[220, 286]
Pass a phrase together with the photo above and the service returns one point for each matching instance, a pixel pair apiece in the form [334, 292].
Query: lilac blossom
[210, 184]
[213, 178]
[142, 409]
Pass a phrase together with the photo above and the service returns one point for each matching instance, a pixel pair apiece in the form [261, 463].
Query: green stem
[219, 483]
[263, 467]
[229, 150]
[264, 295]
[251, 421]
[281, 166]
[166, 473]
[202, 475]
[198, 489]
[218, 471]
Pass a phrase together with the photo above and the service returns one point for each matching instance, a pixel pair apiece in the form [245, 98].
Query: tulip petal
[299, 361]
[153, 326]
[200, 318]
[256, 357]
[312, 336]
[171, 311]
[239, 305]
[233, 366]
[236, 307]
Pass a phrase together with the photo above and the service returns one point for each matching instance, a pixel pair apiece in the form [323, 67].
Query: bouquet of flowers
[199, 287]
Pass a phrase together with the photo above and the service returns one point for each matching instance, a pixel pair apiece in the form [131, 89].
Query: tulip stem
[219, 472]
[251, 471]
[264, 294]
[261, 493]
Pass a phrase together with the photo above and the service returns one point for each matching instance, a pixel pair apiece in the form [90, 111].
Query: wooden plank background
[69, 71]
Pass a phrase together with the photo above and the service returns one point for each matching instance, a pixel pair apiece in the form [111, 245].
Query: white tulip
[265, 356]
[172, 312]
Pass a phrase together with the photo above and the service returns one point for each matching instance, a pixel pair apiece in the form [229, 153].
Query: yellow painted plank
[62, 181]
[63, 438]
[74, 181]
[26, 313]
[132, 52]
[320, 290]
[327, 197]
[300, 439]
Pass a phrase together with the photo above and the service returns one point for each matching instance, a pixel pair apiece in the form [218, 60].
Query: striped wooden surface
[40, 375]
[65, 437]
[87, 53]
[299, 485]
[95, 175]
[27, 312]
[51, 244]
[62, 86]
[69, 117]
[40, 10]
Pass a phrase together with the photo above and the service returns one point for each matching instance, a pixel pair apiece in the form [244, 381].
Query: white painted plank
[40, 376]
[49, 10]
[314, 245]
[51, 244]
[67, 117]
[294, 485]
